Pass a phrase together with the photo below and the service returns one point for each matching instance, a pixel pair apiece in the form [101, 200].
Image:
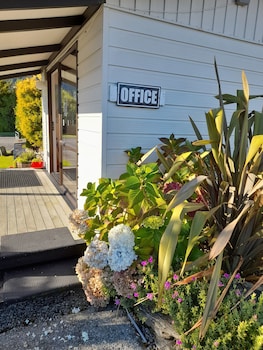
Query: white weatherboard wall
[90, 104]
[214, 16]
[138, 47]
[179, 59]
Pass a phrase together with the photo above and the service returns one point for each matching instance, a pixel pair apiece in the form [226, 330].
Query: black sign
[138, 96]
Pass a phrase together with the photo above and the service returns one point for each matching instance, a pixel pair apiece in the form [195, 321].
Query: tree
[7, 105]
[28, 111]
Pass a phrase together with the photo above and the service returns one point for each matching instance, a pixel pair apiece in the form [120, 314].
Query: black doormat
[18, 178]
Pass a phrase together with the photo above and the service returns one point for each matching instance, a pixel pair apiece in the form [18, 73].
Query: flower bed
[183, 235]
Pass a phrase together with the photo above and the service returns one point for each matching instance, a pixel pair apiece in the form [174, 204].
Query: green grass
[6, 162]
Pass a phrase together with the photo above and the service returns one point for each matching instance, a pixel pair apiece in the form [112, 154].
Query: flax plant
[228, 172]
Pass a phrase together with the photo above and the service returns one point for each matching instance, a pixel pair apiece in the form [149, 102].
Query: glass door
[64, 123]
[69, 149]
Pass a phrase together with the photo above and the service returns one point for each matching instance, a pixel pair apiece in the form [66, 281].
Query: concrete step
[38, 279]
[38, 247]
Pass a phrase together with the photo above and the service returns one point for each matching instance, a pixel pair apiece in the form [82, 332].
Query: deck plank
[33, 208]
[3, 212]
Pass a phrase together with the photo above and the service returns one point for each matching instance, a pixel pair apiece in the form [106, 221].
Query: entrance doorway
[63, 81]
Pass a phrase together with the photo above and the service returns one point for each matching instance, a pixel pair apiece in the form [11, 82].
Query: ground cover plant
[184, 235]
[6, 162]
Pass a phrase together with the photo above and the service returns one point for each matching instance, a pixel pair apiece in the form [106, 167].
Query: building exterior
[135, 71]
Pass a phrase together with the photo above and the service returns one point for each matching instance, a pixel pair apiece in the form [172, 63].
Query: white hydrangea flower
[96, 254]
[121, 235]
[121, 253]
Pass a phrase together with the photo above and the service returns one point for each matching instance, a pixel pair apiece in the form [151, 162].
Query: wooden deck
[36, 208]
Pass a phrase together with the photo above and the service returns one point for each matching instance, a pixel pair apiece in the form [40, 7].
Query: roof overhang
[32, 32]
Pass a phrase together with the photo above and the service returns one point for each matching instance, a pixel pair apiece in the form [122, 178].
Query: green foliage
[239, 321]
[131, 199]
[230, 182]
[7, 105]
[6, 162]
[26, 157]
[238, 324]
[28, 111]
[134, 154]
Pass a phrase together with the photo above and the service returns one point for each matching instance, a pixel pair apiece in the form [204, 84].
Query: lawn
[6, 162]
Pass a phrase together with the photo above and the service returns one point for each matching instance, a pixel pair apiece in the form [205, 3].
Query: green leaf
[227, 98]
[167, 246]
[177, 164]
[196, 130]
[245, 86]
[197, 226]
[185, 192]
[202, 142]
[258, 124]
[256, 143]
[133, 182]
[146, 155]
[211, 297]
[135, 197]
[225, 234]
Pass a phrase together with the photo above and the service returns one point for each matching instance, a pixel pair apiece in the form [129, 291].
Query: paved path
[65, 321]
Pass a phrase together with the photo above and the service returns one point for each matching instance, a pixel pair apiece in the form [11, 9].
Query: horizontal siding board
[166, 113]
[90, 94]
[182, 82]
[180, 34]
[214, 16]
[90, 103]
[137, 126]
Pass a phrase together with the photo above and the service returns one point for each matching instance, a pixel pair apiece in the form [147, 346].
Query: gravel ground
[66, 321]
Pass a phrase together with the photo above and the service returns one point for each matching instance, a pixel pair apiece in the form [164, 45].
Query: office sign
[138, 95]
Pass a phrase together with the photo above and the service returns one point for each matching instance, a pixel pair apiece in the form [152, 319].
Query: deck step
[39, 279]
[38, 247]
[37, 263]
